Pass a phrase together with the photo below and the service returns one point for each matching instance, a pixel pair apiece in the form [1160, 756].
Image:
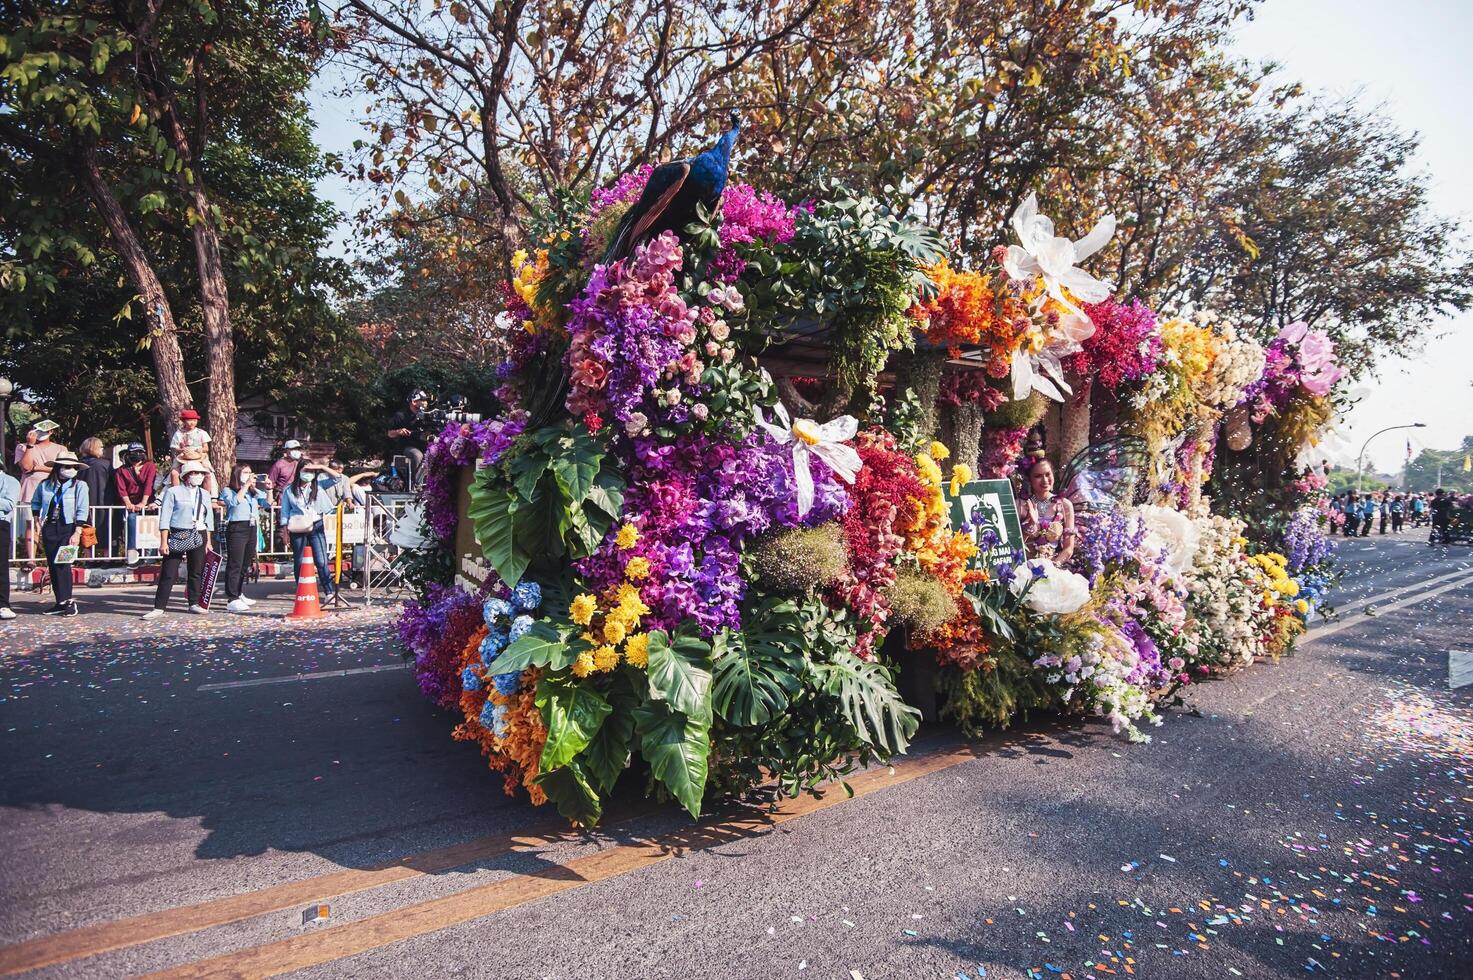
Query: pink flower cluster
[1126, 346]
[1297, 358]
[749, 215]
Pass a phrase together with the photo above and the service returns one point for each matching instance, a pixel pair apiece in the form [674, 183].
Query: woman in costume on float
[1048, 518]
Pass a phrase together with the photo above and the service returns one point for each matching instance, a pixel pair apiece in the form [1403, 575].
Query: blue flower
[492, 646]
[508, 684]
[520, 627]
[470, 680]
[1006, 574]
[494, 609]
[498, 721]
[527, 596]
[488, 715]
[989, 537]
[1038, 570]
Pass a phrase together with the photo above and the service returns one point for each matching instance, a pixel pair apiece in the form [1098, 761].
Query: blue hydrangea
[527, 596]
[488, 714]
[492, 646]
[470, 680]
[520, 627]
[494, 609]
[508, 684]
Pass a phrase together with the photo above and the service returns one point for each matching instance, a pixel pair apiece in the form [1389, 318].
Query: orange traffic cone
[306, 606]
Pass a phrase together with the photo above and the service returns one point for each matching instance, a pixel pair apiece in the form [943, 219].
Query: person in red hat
[190, 443]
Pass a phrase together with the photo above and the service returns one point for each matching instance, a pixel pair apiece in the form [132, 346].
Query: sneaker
[198, 610]
[57, 610]
[247, 600]
[70, 610]
[152, 614]
[6, 613]
[238, 606]
[132, 557]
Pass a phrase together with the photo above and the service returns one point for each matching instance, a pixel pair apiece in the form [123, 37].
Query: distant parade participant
[60, 507]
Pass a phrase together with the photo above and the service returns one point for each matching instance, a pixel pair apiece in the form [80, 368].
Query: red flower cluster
[965, 387]
[885, 496]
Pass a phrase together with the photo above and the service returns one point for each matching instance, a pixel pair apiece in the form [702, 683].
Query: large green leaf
[753, 684]
[870, 701]
[541, 646]
[526, 470]
[676, 748]
[570, 792]
[607, 753]
[575, 463]
[492, 515]
[606, 494]
[572, 712]
[679, 673]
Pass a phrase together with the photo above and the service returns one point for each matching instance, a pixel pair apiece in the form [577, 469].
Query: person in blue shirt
[241, 502]
[60, 506]
[303, 504]
[9, 501]
[185, 512]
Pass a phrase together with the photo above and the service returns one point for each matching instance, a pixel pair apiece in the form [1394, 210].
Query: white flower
[808, 438]
[1056, 592]
[1170, 531]
[1042, 253]
[636, 424]
[727, 296]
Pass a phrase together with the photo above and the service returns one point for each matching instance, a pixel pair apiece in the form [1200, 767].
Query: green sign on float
[989, 505]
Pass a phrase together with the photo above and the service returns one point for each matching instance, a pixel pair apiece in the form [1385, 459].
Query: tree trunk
[162, 336]
[1074, 421]
[967, 434]
[219, 341]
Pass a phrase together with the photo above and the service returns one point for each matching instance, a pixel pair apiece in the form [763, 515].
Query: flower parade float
[751, 480]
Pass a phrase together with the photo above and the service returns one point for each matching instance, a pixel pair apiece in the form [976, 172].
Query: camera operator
[407, 431]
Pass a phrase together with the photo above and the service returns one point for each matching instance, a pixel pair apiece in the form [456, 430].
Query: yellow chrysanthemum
[961, 474]
[605, 658]
[638, 568]
[637, 649]
[587, 637]
[623, 592]
[614, 629]
[939, 451]
[584, 665]
[1301, 606]
[929, 472]
[627, 537]
[583, 608]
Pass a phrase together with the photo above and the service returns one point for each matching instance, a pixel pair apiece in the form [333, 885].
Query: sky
[1411, 60]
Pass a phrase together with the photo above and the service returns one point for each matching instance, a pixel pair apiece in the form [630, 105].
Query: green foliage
[920, 601]
[573, 714]
[679, 673]
[996, 695]
[799, 561]
[552, 500]
[1021, 414]
[677, 747]
[755, 679]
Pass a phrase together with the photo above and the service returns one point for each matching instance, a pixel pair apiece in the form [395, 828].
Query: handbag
[182, 541]
[300, 524]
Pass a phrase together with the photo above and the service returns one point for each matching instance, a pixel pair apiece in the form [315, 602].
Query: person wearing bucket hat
[303, 505]
[60, 506]
[185, 515]
[35, 467]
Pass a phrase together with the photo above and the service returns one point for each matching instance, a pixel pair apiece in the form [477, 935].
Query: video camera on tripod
[435, 417]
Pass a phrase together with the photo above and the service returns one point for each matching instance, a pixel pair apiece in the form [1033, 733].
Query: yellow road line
[338, 942]
[150, 926]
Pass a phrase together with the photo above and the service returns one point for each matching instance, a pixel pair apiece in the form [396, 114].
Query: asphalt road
[1309, 816]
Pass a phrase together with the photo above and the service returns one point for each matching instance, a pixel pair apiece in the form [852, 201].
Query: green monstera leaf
[676, 748]
[754, 681]
[871, 703]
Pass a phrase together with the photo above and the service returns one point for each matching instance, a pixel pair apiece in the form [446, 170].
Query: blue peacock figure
[670, 197]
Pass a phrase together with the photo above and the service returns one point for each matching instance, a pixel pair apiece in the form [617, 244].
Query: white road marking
[319, 675]
[1459, 668]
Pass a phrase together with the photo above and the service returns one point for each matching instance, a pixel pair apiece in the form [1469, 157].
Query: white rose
[1173, 532]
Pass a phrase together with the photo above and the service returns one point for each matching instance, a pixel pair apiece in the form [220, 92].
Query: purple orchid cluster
[695, 502]
[1305, 544]
[434, 631]
[1107, 540]
[629, 332]
[1297, 358]
[460, 445]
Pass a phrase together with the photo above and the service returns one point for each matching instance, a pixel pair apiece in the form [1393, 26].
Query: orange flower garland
[973, 308]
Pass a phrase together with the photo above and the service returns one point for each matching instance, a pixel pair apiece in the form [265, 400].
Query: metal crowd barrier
[364, 540]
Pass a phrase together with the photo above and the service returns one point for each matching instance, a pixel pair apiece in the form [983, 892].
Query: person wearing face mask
[134, 482]
[60, 507]
[303, 505]
[35, 467]
[284, 470]
[242, 502]
[9, 501]
[184, 535]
